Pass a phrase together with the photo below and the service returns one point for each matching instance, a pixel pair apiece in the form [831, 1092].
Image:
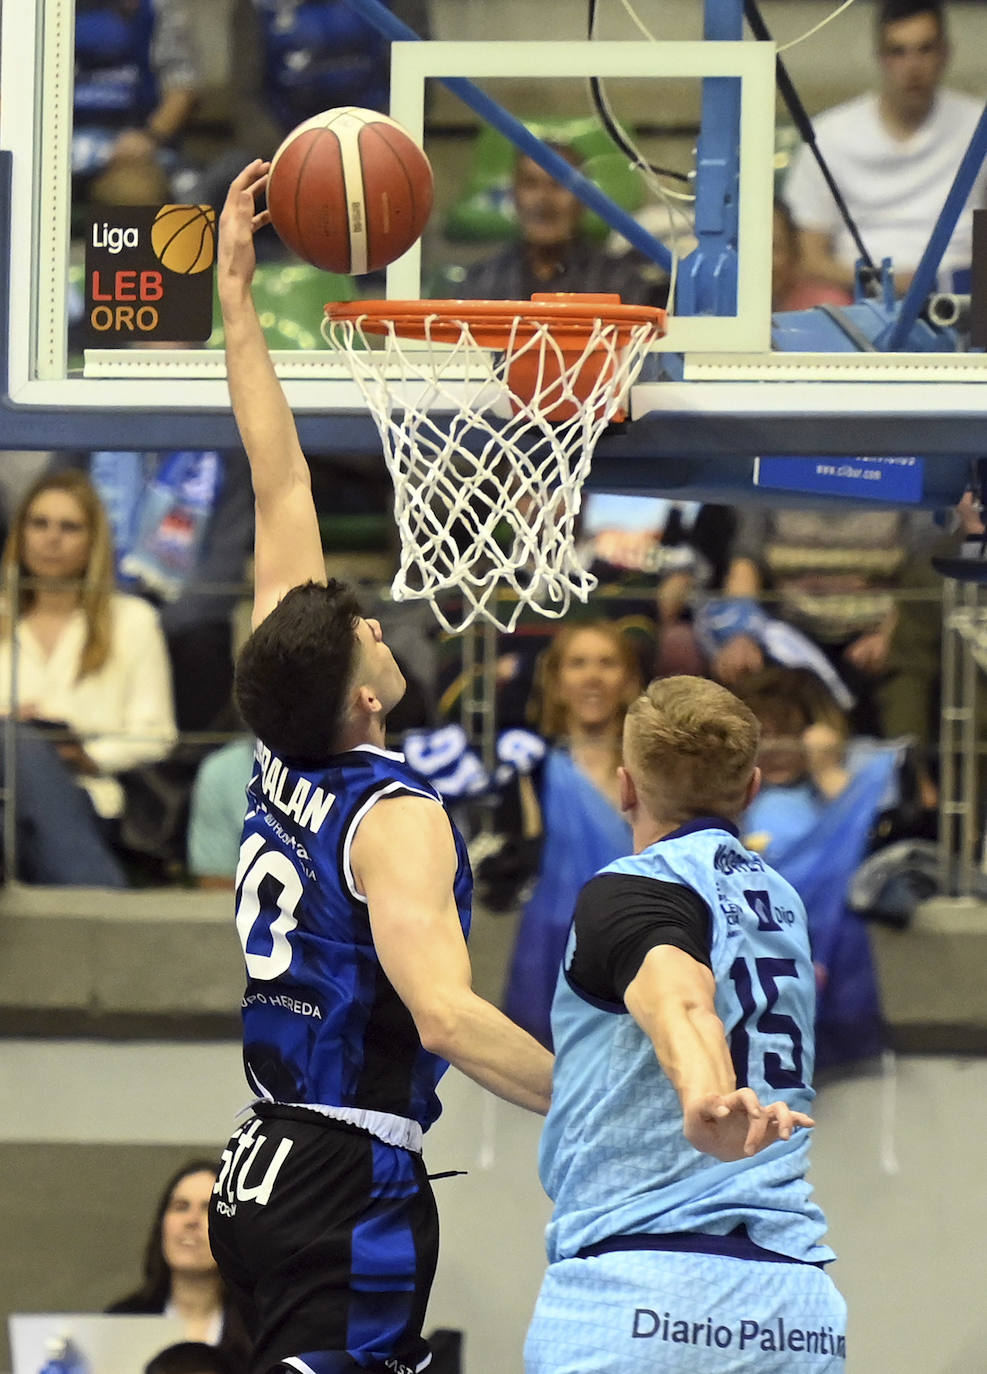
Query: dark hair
[189, 1357]
[789, 700]
[155, 1289]
[894, 11]
[293, 672]
[564, 149]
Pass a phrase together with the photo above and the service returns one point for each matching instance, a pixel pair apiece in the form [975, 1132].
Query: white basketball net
[487, 483]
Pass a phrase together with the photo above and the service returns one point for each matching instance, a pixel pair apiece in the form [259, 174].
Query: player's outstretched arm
[672, 1000]
[404, 861]
[287, 546]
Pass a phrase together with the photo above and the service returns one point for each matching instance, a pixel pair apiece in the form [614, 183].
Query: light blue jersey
[613, 1156]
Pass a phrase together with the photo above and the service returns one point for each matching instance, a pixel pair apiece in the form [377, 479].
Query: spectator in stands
[85, 671]
[836, 576]
[180, 1277]
[679, 544]
[802, 756]
[587, 678]
[292, 59]
[216, 813]
[792, 287]
[190, 1357]
[183, 530]
[894, 153]
[553, 254]
[320, 54]
[182, 525]
[813, 820]
[136, 83]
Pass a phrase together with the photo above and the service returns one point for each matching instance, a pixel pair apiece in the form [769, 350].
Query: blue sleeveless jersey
[322, 1026]
[613, 1156]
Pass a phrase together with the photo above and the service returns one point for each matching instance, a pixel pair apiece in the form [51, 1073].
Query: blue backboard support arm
[924, 280]
[381, 18]
[707, 281]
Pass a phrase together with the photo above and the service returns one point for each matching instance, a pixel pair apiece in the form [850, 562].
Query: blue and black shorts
[327, 1239]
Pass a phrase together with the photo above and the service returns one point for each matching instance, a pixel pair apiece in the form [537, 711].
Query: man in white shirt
[894, 154]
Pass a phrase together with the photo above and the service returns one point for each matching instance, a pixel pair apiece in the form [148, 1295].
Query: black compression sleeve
[620, 916]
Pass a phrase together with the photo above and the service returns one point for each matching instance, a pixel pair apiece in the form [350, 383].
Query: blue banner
[896, 481]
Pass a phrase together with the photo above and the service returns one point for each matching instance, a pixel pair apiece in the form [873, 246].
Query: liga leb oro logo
[149, 274]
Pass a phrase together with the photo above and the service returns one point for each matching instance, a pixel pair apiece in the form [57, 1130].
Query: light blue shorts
[647, 1311]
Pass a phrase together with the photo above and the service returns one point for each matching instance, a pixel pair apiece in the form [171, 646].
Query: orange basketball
[184, 237]
[349, 190]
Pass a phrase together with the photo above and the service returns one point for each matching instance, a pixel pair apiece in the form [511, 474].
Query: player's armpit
[404, 862]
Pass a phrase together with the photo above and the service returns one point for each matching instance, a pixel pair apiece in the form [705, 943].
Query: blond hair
[98, 582]
[690, 747]
[547, 711]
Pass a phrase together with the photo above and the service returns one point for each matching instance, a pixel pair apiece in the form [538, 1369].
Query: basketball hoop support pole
[707, 281]
[924, 280]
[381, 18]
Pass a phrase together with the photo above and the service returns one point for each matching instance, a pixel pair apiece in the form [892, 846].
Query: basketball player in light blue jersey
[684, 1236]
[352, 906]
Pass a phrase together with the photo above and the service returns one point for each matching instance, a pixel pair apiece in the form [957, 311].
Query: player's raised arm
[404, 860]
[672, 1000]
[287, 546]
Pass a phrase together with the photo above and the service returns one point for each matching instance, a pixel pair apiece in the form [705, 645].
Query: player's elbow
[439, 1025]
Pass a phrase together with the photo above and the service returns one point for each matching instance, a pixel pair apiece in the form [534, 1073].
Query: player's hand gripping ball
[349, 190]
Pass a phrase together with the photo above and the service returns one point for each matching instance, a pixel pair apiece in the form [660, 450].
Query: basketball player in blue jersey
[684, 1237]
[352, 905]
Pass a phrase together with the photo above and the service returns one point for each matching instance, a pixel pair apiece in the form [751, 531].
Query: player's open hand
[239, 221]
[731, 1126]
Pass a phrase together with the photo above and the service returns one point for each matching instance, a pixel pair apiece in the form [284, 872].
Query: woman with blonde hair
[585, 681]
[85, 683]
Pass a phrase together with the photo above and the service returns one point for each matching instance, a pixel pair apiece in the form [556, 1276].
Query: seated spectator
[802, 756]
[180, 1278]
[813, 820]
[835, 575]
[320, 54]
[85, 671]
[290, 60]
[183, 529]
[792, 285]
[136, 83]
[190, 1357]
[216, 814]
[553, 254]
[679, 544]
[894, 153]
[586, 680]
